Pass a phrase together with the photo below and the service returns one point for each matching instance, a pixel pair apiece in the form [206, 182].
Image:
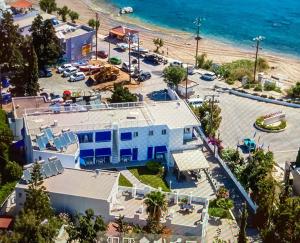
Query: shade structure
[190, 160]
[67, 92]
[21, 4]
[103, 152]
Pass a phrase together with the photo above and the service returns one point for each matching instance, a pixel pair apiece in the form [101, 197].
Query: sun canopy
[21, 4]
[190, 160]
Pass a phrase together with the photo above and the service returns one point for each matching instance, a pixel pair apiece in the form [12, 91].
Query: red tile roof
[122, 31]
[5, 222]
[21, 4]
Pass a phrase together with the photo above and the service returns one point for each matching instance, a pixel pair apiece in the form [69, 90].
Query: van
[195, 102]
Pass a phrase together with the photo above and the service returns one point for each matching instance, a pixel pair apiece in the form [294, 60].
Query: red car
[102, 54]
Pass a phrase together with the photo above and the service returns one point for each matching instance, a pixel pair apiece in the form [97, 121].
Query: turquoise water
[236, 21]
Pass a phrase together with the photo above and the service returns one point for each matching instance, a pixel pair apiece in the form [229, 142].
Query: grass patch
[149, 178]
[124, 182]
[6, 190]
[216, 211]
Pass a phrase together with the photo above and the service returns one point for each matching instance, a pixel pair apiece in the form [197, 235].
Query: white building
[107, 134]
[73, 191]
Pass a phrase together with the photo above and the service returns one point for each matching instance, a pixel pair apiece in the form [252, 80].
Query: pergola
[189, 160]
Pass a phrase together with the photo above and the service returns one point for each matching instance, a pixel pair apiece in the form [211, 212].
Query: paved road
[239, 115]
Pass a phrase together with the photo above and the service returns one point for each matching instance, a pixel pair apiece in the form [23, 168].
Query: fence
[252, 205]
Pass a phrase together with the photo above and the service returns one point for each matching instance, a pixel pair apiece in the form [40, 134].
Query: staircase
[115, 147]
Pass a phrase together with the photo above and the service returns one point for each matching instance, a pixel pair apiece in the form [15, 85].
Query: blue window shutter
[103, 152]
[86, 153]
[150, 152]
[125, 152]
[125, 136]
[135, 154]
[103, 136]
[161, 149]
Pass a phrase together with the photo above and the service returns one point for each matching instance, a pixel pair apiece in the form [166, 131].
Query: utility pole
[257, 39]
[129, 37]
[108, 51]
[198, 24]
[0, 86]
[138, 39]
[186, 82]
[97, 21]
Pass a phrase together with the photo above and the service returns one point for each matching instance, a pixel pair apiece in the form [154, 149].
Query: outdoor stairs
[115, 148]
[129, 176]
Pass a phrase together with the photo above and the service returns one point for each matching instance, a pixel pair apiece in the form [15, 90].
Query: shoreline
[181, 44]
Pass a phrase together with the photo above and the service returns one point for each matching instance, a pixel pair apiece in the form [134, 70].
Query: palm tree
[94, 23]
[156, 205]
[73, 16]
[63, 12]
[158, 42]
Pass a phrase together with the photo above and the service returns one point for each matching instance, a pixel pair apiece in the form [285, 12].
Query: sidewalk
[129, 176]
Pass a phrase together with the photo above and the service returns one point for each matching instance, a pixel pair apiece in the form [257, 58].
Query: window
[151, 133]
[85, 137]
[135, 134]
[20, 194]
[187, 130]
[103, 136]
[164, 132]
[125, 136]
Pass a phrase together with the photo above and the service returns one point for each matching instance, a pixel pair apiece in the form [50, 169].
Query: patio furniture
[141, 209]
[126, 193]
[187, 207]
[139, 196]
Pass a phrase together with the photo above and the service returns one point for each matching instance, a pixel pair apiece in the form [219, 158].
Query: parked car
[155, 59]
[63, 67]
[102, 54]
[208, 76]
[125, 67]
[122, 46]
[195, 102]
[77, 77]
[143, 76]
[115, 60]
[176, 63]
[140, 50]
[45, 73]
[69, 71]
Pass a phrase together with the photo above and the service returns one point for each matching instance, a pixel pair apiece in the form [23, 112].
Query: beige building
[73, 191]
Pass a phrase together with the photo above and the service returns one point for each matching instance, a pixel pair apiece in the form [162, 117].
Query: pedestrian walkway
[129, 176]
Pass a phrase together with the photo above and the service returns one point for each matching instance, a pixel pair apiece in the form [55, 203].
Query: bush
[260, 123]
[155, 167]
[13, 171]
[264, 96]
[230, 81]
[269, 86]
[258, 88]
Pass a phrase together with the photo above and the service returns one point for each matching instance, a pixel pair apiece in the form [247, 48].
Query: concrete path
[129, 176]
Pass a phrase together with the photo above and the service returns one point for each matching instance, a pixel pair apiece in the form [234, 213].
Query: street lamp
[257, 39]
[131, 38]
[198, 23]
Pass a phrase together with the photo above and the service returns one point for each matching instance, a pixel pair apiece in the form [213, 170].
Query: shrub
[269, 86]
[258, 88]
[230, 81]
[13, 171]
[155, 167]
[224, 203]
[271, 97]
[222, 192]
[264, 96]
[260, 123]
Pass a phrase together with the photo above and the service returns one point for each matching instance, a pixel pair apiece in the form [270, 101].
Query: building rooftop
[21, 4]
[27, 20]
[68, 30]
[81, 183]
[122, 31]
[174, 114]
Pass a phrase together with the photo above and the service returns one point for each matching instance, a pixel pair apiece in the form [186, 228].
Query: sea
[232, 21]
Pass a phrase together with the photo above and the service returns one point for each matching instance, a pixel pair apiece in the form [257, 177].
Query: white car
[176, 63]
[195, 102]
[209, 76]
[125, 67]
[69, 71]
[63, 67]
[123, 46]
[77, 77]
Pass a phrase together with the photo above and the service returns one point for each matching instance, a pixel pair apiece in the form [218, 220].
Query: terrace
[187, 218]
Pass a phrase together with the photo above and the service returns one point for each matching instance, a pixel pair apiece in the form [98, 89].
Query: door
[135, 154]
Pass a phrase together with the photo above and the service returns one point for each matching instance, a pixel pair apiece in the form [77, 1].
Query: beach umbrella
[67, 92]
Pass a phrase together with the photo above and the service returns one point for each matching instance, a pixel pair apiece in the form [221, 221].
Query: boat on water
[126, 10]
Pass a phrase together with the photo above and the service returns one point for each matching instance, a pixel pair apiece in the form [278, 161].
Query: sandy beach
[181, 45]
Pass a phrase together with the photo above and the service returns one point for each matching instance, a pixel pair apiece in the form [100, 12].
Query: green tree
[121, 94]
[203, 62]
[31, 72]
[156, 205]
[63, 12]
[86, 227]
[294, 91]
[13, 171]
[37, 199]
[73, 16]
[10, 42]
[210, 117]
[242, 238]
[159, 43]
[174, 75]
[48, 6]
[28, 228]
[46, 44]
[121, 226]
[94, 23]
[298, 159]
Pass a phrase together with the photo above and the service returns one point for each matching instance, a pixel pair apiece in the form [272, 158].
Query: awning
[190, 160]
[86, 153]
[125, 152]
[103, 152]
[103, 136]
[21, 4]
[161, 149]
[126, 136]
